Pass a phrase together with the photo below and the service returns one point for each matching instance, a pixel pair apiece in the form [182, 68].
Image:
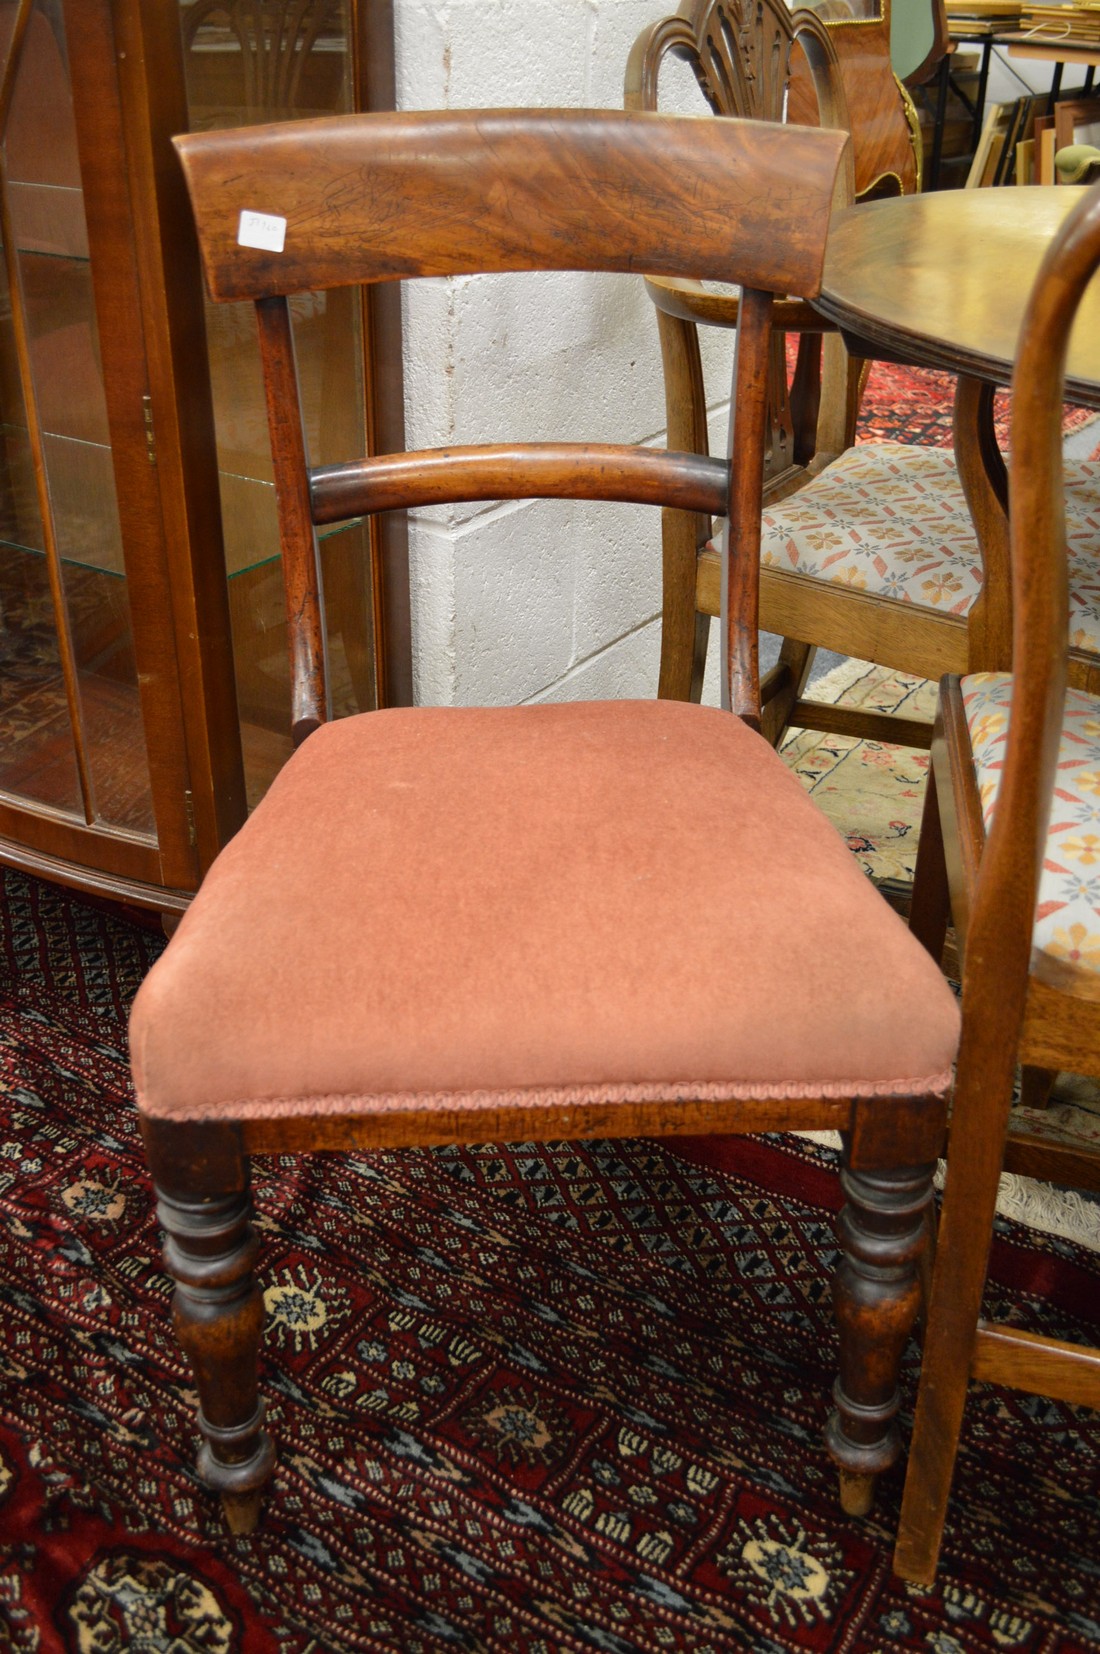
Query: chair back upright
[1002, 916]
[812, 65]
[346, 200]
[1010, 819]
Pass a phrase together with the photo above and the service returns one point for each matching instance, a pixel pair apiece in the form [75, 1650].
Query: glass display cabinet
[144, 699]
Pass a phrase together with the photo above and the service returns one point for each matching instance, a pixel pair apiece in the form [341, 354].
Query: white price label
[265, 230]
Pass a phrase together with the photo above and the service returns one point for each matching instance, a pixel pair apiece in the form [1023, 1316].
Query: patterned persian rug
[872, 792]
[906, 404]
[529, 1399]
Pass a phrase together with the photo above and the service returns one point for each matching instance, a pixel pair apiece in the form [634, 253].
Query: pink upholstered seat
[482, 901]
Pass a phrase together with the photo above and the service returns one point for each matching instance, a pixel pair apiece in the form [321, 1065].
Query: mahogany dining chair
[449, 925]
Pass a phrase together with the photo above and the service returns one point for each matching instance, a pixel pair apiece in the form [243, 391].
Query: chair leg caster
[857, 1493]
[242, 1512]
[240, 1483]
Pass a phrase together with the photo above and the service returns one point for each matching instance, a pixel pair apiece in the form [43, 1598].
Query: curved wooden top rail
[377, 197]
[692, 302]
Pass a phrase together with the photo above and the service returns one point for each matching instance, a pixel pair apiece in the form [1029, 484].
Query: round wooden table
[942, 281]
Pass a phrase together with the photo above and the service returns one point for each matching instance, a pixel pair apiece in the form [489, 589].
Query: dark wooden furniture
[144, 697]
[453, 925]
[1030, 989]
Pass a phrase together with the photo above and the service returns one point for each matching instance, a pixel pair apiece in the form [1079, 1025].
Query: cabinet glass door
[71, 734]
[250, 61]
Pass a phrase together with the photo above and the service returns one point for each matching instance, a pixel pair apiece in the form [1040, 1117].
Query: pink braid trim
[534, 1097]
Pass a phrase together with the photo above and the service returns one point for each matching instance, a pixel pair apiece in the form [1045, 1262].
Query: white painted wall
[540, 600]
[544, 599]
[1011, 77]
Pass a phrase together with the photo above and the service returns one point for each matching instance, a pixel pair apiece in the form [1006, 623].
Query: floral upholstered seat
[891, 519]
[1067, 914]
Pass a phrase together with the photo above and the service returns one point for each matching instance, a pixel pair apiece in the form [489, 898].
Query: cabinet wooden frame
[129, 100]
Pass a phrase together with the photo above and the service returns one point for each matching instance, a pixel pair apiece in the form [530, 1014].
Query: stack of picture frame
[1020, 139]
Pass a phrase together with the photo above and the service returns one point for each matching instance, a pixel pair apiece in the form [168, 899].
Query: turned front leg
[210, 1250]
[882, 1230]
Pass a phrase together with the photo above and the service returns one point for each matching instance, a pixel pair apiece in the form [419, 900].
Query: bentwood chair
[1011, 826]
[868, 549]
[460, 925]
